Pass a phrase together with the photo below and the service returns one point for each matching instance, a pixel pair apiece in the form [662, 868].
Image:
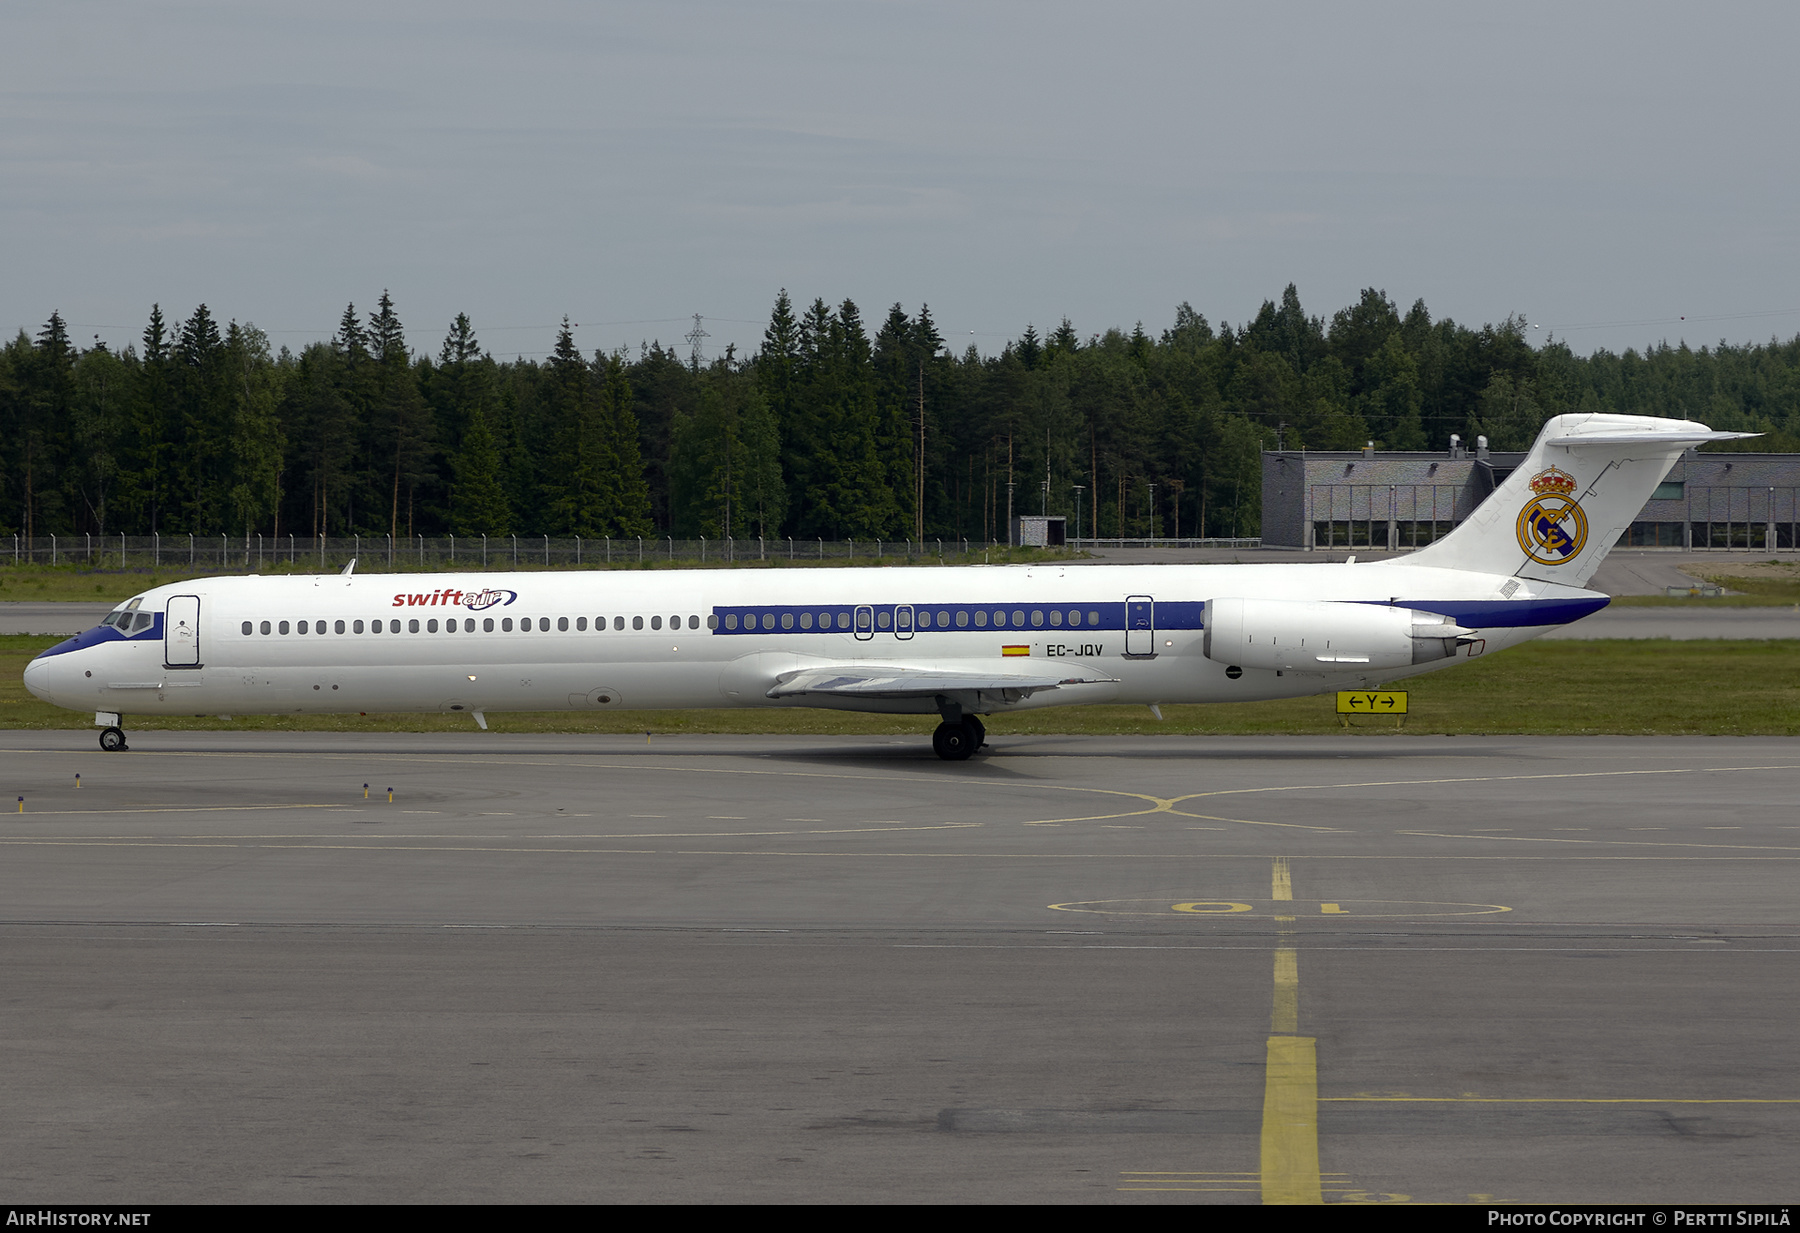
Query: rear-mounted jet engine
[1296, 635]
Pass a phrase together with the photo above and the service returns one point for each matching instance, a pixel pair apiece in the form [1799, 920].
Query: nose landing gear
[112, 740]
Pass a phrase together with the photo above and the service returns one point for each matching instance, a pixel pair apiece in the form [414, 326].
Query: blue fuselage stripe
[926, 619]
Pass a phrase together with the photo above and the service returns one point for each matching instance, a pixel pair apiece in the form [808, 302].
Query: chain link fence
[217, 553]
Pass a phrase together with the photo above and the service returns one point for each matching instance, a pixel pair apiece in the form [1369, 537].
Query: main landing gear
[955, 742]
[112, 740]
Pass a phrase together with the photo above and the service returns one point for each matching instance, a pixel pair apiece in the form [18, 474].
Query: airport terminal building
[1397, 501]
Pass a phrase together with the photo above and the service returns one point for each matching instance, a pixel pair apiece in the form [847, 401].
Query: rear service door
[181, 632]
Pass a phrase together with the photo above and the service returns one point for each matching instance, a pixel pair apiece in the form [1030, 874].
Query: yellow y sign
[1371, 702]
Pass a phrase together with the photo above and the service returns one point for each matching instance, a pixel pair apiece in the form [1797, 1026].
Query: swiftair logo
[474, 601]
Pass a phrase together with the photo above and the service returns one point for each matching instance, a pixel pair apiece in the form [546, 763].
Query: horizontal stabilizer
[1683, 439]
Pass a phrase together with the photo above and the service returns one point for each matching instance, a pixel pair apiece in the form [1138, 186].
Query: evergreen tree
[629, 511]
[255, 460]
[401, 414]
[582, 490]
[480, 505]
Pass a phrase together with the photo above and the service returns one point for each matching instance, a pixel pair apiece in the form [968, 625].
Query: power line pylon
[693, 337]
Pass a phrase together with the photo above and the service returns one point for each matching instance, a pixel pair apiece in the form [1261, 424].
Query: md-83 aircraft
[958, 643]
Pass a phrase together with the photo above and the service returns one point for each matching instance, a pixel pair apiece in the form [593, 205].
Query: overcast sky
[1605, 170]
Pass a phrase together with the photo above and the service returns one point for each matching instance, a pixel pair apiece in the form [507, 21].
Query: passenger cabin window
[655, 622]
[637, 622]
[618, 622]
[247, 627]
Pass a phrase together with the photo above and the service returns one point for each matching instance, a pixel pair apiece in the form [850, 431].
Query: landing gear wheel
[954, 742]
[112, 740]
[979, 728]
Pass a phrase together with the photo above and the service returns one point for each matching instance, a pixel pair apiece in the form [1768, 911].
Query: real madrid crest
[1552, 528]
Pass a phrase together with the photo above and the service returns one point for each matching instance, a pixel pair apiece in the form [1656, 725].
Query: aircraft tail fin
[1555, 518]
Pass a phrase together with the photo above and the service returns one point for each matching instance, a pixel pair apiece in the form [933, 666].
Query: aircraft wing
[900, 681]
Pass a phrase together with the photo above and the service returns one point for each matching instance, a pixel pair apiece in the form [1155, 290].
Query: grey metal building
[1345, 499]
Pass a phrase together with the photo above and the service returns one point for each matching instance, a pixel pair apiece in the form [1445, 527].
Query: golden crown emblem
[1553, 482]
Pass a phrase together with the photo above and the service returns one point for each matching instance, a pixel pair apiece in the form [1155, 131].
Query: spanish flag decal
[1015, 650]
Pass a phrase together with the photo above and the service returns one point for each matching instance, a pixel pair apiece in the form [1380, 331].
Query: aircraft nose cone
[37, 678]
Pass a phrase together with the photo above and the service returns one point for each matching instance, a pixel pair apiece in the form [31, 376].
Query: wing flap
[899, 681]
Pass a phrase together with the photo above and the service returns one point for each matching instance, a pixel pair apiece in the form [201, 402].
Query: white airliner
[958, 643]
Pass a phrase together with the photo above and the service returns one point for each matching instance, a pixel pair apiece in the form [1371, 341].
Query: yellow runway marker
[1285, 1018]
[1282, 889]
[1290, 1128]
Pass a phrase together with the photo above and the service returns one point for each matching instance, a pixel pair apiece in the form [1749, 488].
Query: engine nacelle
[1298, 635]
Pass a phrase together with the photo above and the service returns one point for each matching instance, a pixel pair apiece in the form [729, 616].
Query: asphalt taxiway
[1367, 968]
